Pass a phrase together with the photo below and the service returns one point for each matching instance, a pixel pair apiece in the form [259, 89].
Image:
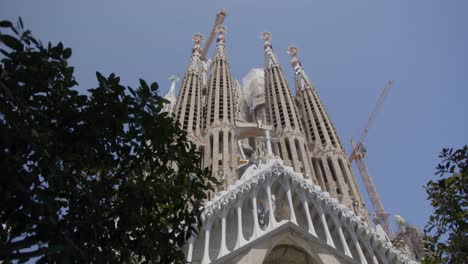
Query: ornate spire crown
[220, 29]
[266, 36]
[293, 52]
[197, 38]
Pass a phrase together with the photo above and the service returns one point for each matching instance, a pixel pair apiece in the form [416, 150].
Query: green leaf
[11, 42]
[143, 84]
[34, 132]
[154, 87]
[67, 53]
[5, 23]
[100, 78]
[60, 46]
[5, 53]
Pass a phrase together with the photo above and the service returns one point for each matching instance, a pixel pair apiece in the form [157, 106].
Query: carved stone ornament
[274, 170]
[220, 29]
[266, 36]
[198, 38]
[293, 51]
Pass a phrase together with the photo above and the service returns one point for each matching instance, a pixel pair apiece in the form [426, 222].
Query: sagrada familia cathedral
[287, 193]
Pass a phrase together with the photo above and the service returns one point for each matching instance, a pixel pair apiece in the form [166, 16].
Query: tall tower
[220, 151]
[329, 161]
[269, 209]
[282, 114]
[188, 108]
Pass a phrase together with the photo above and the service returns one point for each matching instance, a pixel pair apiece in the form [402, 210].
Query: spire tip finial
[174, 78]
[198, 38]
[293, 51]
[220, 29]
[266, 36]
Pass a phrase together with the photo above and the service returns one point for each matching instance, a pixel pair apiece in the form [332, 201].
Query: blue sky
[348, 48]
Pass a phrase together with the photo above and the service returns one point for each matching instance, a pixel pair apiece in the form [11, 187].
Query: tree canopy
[96, 177]
[446, 234]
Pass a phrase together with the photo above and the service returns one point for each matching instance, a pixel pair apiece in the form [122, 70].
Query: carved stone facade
[271, 208]
[287, 192]
[332, 168]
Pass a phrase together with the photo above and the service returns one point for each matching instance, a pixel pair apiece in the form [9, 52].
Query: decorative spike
[266, 36]
[293, 51]
[198, 38]
[220, 29]
[295, 62]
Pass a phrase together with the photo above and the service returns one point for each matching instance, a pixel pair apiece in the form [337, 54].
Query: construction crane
[358, 154]
[218, 21]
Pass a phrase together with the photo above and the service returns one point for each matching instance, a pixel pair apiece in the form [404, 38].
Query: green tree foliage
[446, 234]
[89, 178]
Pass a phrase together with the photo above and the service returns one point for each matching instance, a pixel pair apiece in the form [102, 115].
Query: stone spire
[329, 161]
[170, 95]
[283, 115]
[220, 151]
[188, 108]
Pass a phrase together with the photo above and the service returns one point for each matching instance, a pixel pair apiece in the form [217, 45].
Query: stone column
[370, 251]
[240, 234]
[223, 249]
[323, 219]
[206, 249]
[337, 223]
[362, 258]
[256, 229]
[310, 224]
[272, 222]
[290, 202]
[190, 248]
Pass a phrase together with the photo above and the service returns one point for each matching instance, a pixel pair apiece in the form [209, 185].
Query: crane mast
[218, 21]
[358, 155]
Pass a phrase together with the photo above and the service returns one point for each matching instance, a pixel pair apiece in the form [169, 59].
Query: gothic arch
[285, 253]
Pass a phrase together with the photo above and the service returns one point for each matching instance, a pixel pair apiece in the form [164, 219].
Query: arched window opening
[334, 176]
[324, 176]
[288, 149]
[221, 148]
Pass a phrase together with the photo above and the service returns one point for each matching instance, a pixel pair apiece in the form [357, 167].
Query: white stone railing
[253, 204]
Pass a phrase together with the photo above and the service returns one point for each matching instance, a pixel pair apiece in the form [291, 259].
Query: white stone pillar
[341, 235]
[268, 143]
[343, 242]
[256, 229]
[305, 204]
[240, 234]
[206, 249]
[323, 219]
[272, 222]
[191, 241]
[362, 258]
[290, 203]
[223, 248]
[370, 251]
